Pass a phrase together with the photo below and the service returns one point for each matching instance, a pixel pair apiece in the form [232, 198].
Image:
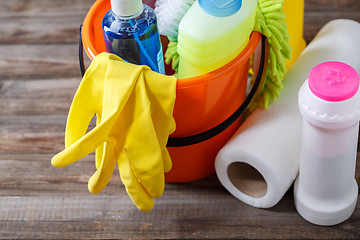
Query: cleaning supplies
[134, 108]
[326, 191]
[261, 161]
[202, 103]
[212, 33]
[130, 31]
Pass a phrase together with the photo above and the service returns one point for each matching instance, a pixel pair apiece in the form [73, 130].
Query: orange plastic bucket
[202, 102]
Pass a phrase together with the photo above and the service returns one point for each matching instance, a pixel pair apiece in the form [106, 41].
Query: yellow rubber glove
[134, 109]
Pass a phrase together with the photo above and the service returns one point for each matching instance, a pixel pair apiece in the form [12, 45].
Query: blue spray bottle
[130, 31]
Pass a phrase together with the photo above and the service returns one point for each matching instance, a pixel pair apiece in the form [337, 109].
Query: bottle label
[160, 61]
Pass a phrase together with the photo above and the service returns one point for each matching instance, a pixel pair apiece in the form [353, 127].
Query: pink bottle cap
[334, 81]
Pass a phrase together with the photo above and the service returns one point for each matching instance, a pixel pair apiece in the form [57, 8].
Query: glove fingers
[76, 126]
[78, 120]
[136, 191]
[147, 164]
[102, 176]
[166, 156]
[172, 125]
[161, 94]
[167, 160]
[100, 150]
[87, 100]
[91, 97]
[142, 146]
[85, 145]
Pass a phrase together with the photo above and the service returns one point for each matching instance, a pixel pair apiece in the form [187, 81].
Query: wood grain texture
[34, 61]
[41, 21]
[23, 97]
[40, 29]
[319, 12]
[331, 6]
[39, 74]
[43, 24]
[182, 216]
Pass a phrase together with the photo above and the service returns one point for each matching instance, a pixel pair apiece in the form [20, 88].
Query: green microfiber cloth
[269, 22]
[171, 54]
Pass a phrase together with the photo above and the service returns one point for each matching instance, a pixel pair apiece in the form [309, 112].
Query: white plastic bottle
[326, 190]
[212, 33]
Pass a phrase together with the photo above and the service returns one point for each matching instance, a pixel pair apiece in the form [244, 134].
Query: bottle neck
[126, 9]
[221, 8]
[122, 17]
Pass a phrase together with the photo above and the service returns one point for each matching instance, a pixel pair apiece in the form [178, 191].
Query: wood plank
[314, 21]
[39, 201]
[42, 21]
[32, 134]
[174, 216]
[37, 97]
[33, 175]
[58, 21]
[53, 7]
[332, 5]
[27, 22]
[44, 7]
[40, 29]
[32, 61]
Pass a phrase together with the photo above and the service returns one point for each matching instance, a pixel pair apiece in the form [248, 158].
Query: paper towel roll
[261, 161]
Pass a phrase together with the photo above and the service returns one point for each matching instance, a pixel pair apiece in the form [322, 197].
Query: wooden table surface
[39, 74]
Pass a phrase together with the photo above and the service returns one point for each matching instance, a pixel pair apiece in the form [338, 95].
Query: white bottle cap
[126, 7]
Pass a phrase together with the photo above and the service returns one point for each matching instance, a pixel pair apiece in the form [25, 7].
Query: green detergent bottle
[212, 33]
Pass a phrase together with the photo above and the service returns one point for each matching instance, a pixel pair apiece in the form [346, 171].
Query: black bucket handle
[201, 137]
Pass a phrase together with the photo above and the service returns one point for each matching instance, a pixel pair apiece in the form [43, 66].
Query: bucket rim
[86, 30]
[238, 61]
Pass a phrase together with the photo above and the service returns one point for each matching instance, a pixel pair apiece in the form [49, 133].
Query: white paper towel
[261, 161]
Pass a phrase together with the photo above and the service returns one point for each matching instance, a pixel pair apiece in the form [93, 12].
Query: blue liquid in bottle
[135, 38]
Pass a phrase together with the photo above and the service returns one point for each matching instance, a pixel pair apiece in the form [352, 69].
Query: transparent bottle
[130, 31]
